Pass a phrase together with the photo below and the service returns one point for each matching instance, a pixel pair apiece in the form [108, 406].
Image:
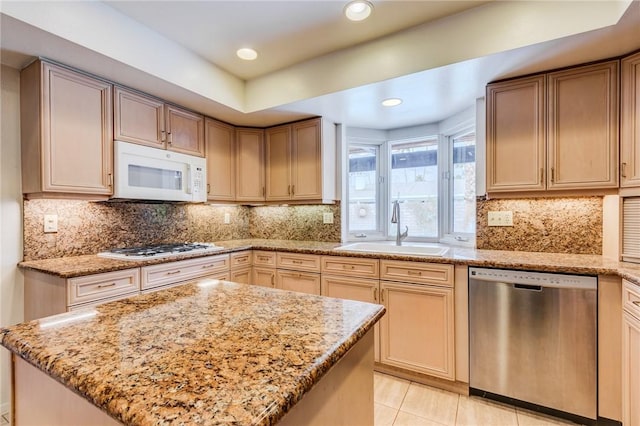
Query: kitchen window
[432, 177]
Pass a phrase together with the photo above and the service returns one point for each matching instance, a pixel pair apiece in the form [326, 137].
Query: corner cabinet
[300, 161]
[630, 122]
[66, 131]
[249, 165]
[554, 131]
[221, 160]
[145, 120]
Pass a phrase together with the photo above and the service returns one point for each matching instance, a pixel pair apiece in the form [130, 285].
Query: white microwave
[146, 173]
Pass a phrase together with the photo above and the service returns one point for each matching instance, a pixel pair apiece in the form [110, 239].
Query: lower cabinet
[417, 332]
[302, 282]
[631, 356]
[265, 277]
[360, 289]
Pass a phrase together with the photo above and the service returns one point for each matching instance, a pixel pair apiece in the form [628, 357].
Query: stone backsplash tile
[552, 225]
[303, 223]
[89, 227]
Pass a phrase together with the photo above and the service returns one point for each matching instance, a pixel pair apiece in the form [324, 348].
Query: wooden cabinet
[183, 270]
[298, 262]
[516, 147]
[66, 131]
[46, 294]
[417, 332]
[554, 131]
[249, 165]
[582, 127]
[145, 120]
[240, 263]
[221, 160]
[631, 355]
[264, 268]
[350, 266]
[630, 121]
[300, 161]
[302, 282]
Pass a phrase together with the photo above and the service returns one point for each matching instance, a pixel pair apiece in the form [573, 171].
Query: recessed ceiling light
[391, 102]
[247, 54]
[358, 10]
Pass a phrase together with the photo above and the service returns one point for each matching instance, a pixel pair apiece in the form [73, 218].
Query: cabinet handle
[348, 267]
[636, 302]
[553, 175]
[163, 136]
[170, 138]
[297, 262]
[263, 258]
[541, 175]
[375, 294]
[293, 190]
[106, 285]
[273, 280]
[211, 265]
[288, 189]
[414, 272]
[263, 191]
[208, 188]
[173, 272]
[110, 180]
[382, 295]
[623, 172]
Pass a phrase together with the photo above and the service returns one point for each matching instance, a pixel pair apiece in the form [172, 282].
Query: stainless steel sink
[413, 249]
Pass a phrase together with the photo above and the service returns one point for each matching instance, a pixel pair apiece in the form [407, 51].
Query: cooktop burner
[159, 251]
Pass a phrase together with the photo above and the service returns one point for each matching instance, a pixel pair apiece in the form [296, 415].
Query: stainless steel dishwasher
[533, 340]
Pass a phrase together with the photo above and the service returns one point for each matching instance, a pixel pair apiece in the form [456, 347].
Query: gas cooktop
[159, 251]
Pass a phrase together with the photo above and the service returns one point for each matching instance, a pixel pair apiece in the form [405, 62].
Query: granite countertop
[68, 267]
[226, 352]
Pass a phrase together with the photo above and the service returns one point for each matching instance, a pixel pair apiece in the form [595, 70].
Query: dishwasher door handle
[528, 287]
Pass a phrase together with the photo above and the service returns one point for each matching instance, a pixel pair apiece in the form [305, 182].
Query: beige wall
[11, 281]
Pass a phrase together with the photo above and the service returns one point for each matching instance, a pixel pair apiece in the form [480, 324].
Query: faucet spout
[395, 218]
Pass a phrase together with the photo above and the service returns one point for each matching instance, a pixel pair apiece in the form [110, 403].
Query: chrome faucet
[395, 218]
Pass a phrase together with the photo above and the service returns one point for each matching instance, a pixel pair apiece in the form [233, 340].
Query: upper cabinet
[148, 121]
[554, 131]
[630, 122]
[221, 160]
[67, 132]
[300, 161]
[249, 165]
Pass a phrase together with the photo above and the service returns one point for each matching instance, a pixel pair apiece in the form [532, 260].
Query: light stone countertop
[68, 267]
[207, 352]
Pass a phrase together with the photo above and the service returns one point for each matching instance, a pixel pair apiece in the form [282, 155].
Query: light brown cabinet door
[306, 160]
[221, 160]
[277, 163]
[417, 331]
[185, 131]
[240, 276]
[249, 164]
[360, 289]
[630, 122]
[516, 135]
[582, 127]
[265, 277]
[631, 371]
[138, 119]
[302, 282]
[69, 147]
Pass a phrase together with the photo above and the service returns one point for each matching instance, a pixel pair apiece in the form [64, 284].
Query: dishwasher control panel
[544, 279]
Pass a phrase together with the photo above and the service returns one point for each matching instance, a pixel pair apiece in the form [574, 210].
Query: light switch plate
[500, 218]
[227, 218]
[50, 223]
[327, 218]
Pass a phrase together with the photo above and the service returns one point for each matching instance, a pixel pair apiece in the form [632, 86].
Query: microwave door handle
[188, 177]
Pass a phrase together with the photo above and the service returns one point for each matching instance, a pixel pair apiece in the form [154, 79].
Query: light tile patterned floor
[399, 402]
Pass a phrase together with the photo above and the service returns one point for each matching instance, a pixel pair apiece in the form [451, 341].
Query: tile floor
[400, 402]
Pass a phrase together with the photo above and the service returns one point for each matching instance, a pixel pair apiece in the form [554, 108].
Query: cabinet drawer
[298, 262]
[264, 258]
[168, 273]
[362, 268]
[417, 272]
[631, 299]
[91, 288]
[240, 259]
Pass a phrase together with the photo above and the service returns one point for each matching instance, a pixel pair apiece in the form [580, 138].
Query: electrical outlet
[227, 218]
[501, 218]
[50, 223]
[327, 217]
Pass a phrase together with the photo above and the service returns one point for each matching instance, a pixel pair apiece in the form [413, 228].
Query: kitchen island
[207, 352]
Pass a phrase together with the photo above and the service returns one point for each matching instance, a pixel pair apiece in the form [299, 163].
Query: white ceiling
[436, 55]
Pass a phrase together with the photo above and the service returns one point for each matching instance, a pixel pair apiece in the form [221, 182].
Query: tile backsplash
[89, 227]
[553, 225]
